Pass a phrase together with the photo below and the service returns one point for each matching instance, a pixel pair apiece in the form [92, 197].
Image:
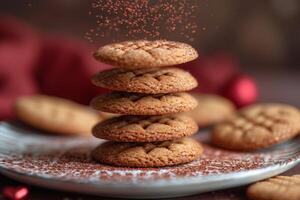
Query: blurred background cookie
[276, 188]
[57, 115]
[258, 126]
[211, 109]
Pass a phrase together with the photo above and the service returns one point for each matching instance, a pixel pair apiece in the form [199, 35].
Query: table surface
[278, 86]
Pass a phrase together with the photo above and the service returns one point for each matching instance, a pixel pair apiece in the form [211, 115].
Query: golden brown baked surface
[258, 126]
[144, 53]
[211, 109]
[156, 154]
[57, 115]
[144, 104]
[276, 188]
[147, 80]
[145, 128]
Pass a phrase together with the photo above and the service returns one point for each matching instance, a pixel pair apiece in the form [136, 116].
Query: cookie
[144, 53]
[149, 81]
[145, 128]
[156, 154]
[277, 188]
[258, 126]
[211, 109]
[144, 104]
[57, 115]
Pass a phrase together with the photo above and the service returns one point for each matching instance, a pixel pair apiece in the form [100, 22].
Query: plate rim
[33, 179]
[177, 181]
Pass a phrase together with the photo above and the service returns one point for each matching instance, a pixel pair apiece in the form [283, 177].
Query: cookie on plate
[211, 109]
[147, 80]
[55, 114]
[144, 54]
[144, 104]
[258, 126]
[145, 128]
[155, 154]
[276, 188]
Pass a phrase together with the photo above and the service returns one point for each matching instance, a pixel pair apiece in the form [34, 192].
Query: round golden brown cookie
[156, 154]
[144, 53]
[276, 188]
[145, 128]
[144, 104]
[258, 126]
[57, 115]
[211, 109]
[149, 81]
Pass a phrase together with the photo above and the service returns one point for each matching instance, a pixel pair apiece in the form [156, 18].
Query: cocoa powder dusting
[74, 163]
[142, 19]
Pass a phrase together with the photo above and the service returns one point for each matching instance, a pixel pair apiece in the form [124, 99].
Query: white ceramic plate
[64, 163]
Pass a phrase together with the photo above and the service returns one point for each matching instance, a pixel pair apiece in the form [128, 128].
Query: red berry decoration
[15, 193]
[242, 90]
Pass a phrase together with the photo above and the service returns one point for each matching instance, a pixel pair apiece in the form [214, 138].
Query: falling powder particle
[142, 19]
[29, 4]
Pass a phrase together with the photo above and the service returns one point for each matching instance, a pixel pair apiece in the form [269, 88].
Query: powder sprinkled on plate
[60, 158]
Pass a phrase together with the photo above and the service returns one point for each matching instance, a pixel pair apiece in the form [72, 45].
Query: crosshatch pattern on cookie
[143, 53]
[156, 154]
[144, 104]
[258, 126]
[149, 80]
[145, 128]
[148, 147]
[276, 188]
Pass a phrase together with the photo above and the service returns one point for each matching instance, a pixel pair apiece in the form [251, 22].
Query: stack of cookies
[149, 94]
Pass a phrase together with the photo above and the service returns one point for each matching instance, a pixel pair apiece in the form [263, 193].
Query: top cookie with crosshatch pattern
[258, 126]
[144, 53]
